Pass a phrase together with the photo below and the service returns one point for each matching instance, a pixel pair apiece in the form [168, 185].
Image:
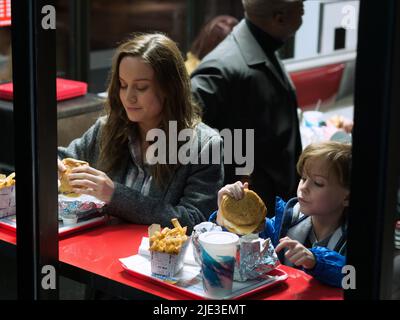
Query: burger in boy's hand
[241, 210]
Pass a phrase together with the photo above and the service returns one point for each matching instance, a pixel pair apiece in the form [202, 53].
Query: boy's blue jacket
[290, 222]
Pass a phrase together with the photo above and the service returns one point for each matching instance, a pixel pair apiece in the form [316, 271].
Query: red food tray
[5, 13]
[139, 266]
[66, 89]
[9, 223]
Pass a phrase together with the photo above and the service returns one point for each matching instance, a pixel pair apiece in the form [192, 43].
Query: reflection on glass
[5, 54]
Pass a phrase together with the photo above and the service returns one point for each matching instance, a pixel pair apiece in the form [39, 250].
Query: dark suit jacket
[239, 88]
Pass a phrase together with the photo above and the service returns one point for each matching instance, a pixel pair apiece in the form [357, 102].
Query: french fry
[151, 230]
[171, 249]
[161, 246]
[157, 234]
[176, 223]
[169, 240]
[7, 181]
[10, 180]
[11, 176]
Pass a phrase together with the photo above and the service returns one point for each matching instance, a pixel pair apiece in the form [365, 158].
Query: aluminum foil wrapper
[256, 257]
[198, 230]
[82, 206]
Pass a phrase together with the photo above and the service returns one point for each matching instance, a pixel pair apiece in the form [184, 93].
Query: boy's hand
[235, 190]
[297, 254]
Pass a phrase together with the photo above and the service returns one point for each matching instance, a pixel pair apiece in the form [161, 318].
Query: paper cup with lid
[218, 255]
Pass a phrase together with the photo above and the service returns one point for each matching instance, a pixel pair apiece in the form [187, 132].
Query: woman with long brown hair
[149, 90]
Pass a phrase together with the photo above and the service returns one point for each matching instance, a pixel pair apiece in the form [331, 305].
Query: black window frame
[35, 130]
[376, 156]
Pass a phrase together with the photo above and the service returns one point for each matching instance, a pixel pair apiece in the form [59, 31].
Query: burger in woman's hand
[65, 167]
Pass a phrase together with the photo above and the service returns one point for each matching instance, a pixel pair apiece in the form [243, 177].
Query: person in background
[5, 51]
[309, 231]
[242, 84]
[149, 88]
[341, 123]
[210, 35]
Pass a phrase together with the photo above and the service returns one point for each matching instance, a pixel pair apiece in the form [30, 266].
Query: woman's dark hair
[211, 34]
[162, 54]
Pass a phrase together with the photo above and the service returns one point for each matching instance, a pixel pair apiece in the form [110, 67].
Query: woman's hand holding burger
[87, 180]
[61, 169]
[78, 177]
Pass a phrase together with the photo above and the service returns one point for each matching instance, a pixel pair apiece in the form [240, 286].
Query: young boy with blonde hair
[309, 231]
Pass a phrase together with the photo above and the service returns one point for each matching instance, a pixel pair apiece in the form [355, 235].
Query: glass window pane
[5, 54]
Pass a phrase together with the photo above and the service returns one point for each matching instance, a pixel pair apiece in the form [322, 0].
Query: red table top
[97, 250]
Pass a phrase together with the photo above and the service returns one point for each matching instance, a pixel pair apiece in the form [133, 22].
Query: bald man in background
[242, 84]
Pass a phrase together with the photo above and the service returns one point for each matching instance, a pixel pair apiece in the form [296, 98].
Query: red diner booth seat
[317, 84]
